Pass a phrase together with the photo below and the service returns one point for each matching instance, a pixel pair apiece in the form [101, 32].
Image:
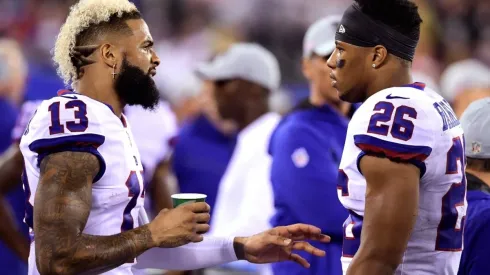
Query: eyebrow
[148, 42]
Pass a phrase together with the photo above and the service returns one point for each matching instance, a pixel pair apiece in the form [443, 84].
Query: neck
[390, 76]
[250, 117]
[484, 176]
[226, 127]
[316, 99]
[102, 91]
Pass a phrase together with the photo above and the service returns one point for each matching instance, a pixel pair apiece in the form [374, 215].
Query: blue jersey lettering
[449, 119]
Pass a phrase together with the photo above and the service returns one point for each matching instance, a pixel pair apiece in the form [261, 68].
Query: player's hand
[181, 225]
[279, 244]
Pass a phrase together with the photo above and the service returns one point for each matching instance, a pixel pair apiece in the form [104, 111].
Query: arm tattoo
[62, 206]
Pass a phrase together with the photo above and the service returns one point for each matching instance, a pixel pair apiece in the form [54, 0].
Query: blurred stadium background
[190, 31]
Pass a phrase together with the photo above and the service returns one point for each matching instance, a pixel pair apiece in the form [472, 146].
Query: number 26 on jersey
[402, 128]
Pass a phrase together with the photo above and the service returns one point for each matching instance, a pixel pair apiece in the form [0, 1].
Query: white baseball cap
[468, 73]
[475, 121]
[247, 61]
[320, 36]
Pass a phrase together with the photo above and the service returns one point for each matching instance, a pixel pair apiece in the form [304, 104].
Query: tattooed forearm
[62, 206]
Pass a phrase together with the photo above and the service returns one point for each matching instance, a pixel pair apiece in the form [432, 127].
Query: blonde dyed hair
[82, 15]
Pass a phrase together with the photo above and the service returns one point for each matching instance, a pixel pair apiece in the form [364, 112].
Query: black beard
[134, 87]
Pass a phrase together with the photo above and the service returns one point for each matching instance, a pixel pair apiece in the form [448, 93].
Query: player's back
[73, 122]
[415, 125]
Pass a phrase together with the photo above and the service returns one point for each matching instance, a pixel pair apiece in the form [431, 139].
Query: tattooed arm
[62, 206]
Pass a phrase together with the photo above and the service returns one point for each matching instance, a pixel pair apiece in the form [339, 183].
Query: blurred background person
[306, 149]
[476, 125]
[14, 248]
[204, 145]
[202, 148]
[465, 81]
[184, 96]
[244, 77]
[153, 132]
[281, 102]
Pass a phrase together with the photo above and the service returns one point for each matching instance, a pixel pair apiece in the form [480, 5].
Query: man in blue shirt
[14, 247]
[203, 148]
[202, 153]
[12, 208]
[306, 149]
[476, 125]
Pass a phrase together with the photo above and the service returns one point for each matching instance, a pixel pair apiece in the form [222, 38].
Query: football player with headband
[402, 173]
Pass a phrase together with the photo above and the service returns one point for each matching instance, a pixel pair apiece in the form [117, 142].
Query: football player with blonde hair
[83, 172]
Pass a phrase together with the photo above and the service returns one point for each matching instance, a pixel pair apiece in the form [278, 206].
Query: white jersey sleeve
[63, 123]
[395, 125]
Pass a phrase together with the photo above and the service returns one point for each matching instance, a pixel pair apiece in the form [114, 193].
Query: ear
[109, 55]
[379, 56]
[306, 68]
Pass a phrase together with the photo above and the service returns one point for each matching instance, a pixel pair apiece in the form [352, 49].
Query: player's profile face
[134, 83]
[138, 47]
[348, 64]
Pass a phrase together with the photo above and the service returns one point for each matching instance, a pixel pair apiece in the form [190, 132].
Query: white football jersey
[417, 125]
[152, 130]
[73, 122]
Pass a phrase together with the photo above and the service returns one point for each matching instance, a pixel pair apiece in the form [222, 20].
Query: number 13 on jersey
[80, 124]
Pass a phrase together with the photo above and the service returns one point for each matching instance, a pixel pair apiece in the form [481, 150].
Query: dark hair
[401, 15]
[115, 24]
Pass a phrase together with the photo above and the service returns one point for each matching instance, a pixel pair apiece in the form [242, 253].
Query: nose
[331, 62]
[155, 60]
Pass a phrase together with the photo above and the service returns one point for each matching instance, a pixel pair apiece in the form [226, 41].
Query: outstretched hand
[278, 244]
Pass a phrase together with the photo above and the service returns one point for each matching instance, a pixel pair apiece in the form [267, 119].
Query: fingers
[299, 228]
[300, 260]
[320, 237]
[201, 228]
[323, 238]
[198, 207]
[202, 217]
[300, 232]
[195, 238]
[278, 240]
[308, 248]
